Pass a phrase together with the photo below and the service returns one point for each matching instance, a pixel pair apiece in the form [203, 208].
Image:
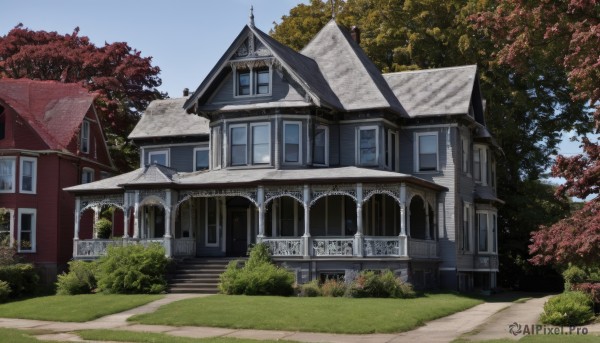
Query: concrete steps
[198, 275]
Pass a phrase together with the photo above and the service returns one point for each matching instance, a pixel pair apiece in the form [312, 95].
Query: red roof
[53, 109]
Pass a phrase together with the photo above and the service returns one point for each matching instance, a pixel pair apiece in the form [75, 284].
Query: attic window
[252, 82]
[243, 82]
[85, 137]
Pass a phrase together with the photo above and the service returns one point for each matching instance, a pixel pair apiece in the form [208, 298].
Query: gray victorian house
[337, 167]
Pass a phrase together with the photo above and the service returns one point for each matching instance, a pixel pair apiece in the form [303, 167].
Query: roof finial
[251, 16]
[332, 10]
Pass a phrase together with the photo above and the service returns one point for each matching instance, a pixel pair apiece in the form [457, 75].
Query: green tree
[527, 108]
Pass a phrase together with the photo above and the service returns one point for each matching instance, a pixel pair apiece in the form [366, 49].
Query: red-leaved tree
[125, 81]
[568, 32]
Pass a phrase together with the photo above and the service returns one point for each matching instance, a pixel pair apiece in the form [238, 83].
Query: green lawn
[322, 314]
[17, 336]
[589, 338]
[73, 308]
[147, 337]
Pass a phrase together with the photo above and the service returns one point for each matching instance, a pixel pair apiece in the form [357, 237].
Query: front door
[238, 231]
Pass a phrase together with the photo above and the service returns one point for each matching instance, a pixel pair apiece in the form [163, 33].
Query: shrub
[591, 289]
[369, 284]
[569, 308]
[22, 278]
[333, 288]
[573, 275]
[4, 291]
[310, 289]
[133, 269]
[80, 279]
[257, 277]
[103, 228]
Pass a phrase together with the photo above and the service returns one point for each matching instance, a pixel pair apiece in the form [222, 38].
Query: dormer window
[252, 79]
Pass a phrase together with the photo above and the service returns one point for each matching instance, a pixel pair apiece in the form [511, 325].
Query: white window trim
[250, 137]
[85, 124]
[483, 167]
[88, 170]
[469, 218]
[217, 224]
[417, 167]
[159, 152]
[491, 216]
[366, 128]
[201, 149]
[14, 176]
[33, 175]
[32, 211]
[253, 83]
[299, 124]
[11, 227]
[326, 129]
[230, 141]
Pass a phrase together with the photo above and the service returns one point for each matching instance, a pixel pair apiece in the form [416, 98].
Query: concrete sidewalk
[484, 321]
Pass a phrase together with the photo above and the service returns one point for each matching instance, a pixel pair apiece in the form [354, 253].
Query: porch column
[403, 239]
[261, 214]
[222, 215]
[274, 208]
[306, 236]
[77, 219]
[168, 237]
[136, 214]
[125, 215]
[358, 237]
[96, 218]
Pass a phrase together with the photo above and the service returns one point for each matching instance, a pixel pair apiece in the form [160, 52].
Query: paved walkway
[482, 322]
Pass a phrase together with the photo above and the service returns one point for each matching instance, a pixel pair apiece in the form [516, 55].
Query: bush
[4, 291]
[591, 289]
[572, 276]
[133, 269]
[81, 279]
[22, 278]
[257, 277]
[103, 228]
[569, 308]
[310, 289]
[333, 288]
[369, 284]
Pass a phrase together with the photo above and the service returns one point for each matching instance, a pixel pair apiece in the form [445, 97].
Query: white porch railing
[94, 248]
[333, 246]
[284, 246]
[422, 248]
[185, 247]
[384, 246]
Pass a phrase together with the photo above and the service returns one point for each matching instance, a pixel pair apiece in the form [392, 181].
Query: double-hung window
[367, 145]
[488, 231]
[391, 150]
[200, 158]
[28, 175]
[262, 81]
[252, 82]
[243, 82]
[426, 152]
[480, 164]
[292, 138]
[261, 143]
[85, 137]
[87, 175]
[27, 229]
[6, 227]
[467, 225]
[321, 147]
[239, 144]
[159, 157]
[7, 174]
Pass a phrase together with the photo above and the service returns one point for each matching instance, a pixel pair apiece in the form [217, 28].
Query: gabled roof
[165, 118]
[154, 173]
[303, 69]
[438, 91]
[54, 110]
[350, 73]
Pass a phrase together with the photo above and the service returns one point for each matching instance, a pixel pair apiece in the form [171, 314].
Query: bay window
[487, 230]
[7, 174]
[28, 175]
[292, 142]
[367, 145]
[321, 148]
[239, 141]
[261, 153]
[259, 140]
[480, 164]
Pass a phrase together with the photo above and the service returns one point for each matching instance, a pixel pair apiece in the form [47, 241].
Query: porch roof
[156, 175]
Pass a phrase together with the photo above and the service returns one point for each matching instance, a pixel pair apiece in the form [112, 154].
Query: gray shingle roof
[165, 118]
[439, 91]
[350, 73]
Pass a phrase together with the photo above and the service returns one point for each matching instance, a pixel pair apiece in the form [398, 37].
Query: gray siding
[181, 157]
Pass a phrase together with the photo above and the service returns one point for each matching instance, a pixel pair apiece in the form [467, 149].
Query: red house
[50, 138]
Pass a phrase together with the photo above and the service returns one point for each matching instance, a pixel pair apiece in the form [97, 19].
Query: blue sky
[184, 37]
